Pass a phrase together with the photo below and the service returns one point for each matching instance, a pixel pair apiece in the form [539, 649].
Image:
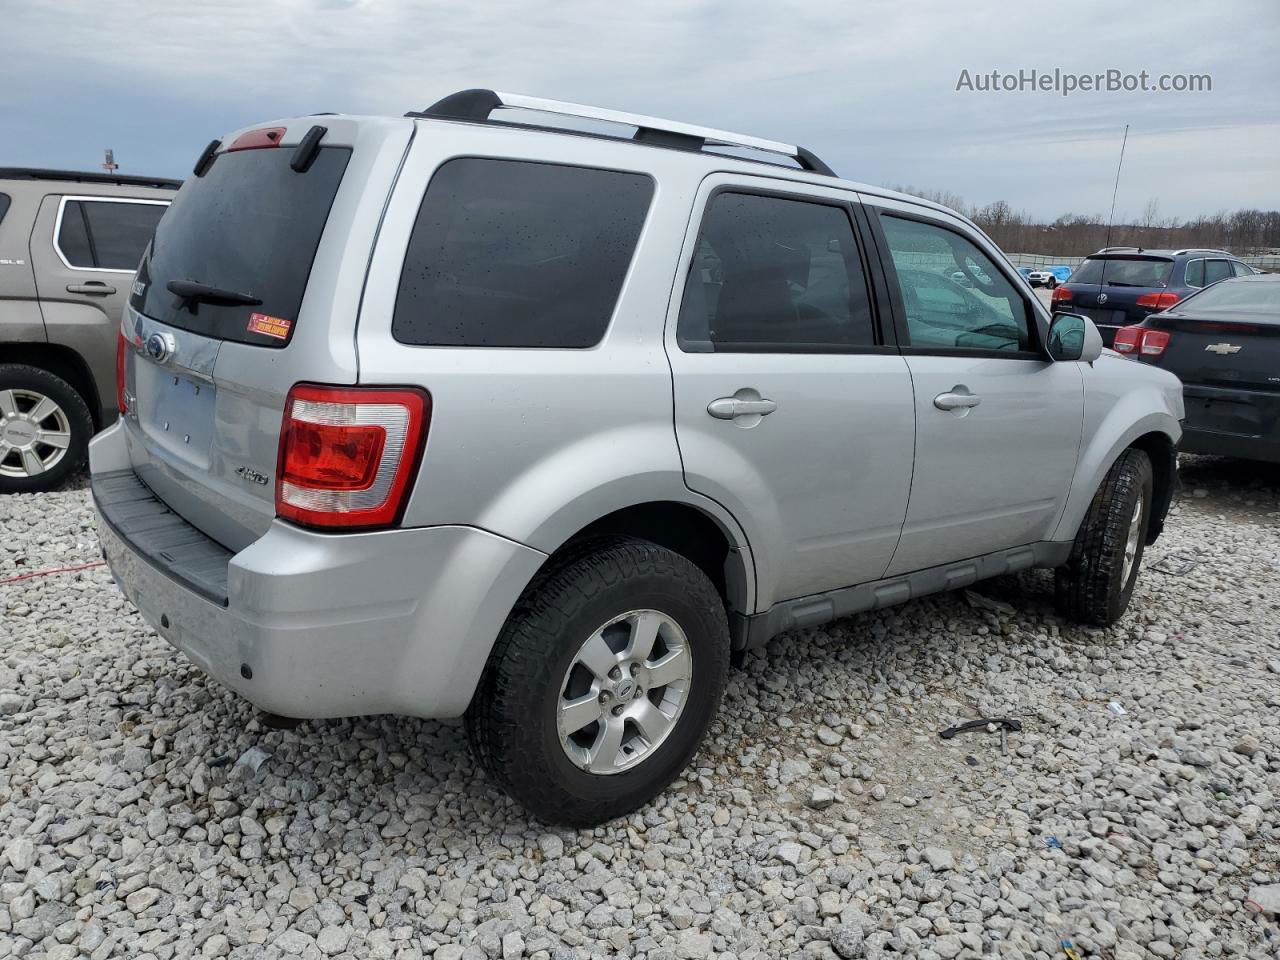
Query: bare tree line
[1243, 232]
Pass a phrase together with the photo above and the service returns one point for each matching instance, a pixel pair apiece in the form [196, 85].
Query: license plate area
[176, 413]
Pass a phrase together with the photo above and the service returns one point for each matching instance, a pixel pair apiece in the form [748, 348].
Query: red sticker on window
[269, 326]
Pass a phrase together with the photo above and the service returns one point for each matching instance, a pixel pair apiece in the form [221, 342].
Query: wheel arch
[64, 362]
[1156, 435]
[709, 538]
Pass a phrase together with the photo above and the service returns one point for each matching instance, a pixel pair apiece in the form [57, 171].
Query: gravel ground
[1133, 814]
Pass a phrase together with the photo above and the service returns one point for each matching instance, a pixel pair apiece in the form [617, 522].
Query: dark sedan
[1224, 345]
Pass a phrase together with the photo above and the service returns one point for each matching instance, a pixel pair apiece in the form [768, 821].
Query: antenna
[1112, 219]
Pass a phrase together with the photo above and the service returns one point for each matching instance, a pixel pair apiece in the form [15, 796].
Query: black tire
[512, 720]
[33, 380]
[1092, 588]
[1052, 283]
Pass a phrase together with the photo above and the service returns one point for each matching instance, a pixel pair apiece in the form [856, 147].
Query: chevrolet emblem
[1222, 349]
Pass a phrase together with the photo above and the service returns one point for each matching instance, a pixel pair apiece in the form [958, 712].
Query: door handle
[958, 398]
[92, 287]
[730, 408]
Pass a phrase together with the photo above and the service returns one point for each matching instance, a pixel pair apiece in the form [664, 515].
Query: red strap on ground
[49, 573]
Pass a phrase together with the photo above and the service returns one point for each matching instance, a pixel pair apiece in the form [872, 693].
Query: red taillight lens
[1154, 342]
[1158, 301]
[348, 454]
[258, 139]
[1061, 295]
[1127, 340]
[122, 347]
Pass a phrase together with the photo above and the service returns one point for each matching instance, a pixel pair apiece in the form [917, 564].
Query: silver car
[466, 414]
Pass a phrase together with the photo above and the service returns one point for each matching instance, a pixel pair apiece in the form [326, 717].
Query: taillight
[1127, 340]
[348, 455]
[122, 347]
[1140, 340]
[1061, 295]
[1158, 301]
[1154, 342]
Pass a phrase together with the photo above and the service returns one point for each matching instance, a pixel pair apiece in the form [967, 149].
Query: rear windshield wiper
[192, 292]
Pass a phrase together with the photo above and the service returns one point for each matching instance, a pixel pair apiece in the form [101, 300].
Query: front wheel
[602, 683]
[1095, 585]
[45, 427]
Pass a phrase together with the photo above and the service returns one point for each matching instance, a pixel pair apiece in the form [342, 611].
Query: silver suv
[69, 244]
[465, 413]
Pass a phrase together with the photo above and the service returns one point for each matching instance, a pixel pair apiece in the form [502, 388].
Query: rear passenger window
[508, 253]
[1216, 270]
[954, 296]
[120, 232]
[774, 275]
[73, 237]
[100, 235]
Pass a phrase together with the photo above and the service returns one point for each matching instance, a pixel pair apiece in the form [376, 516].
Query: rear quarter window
[4, 205]
[510, 253]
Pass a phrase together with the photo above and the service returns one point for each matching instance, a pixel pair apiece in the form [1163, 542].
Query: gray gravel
[824, 818]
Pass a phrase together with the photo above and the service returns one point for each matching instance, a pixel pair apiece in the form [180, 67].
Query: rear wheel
[1053, 282]
[45, 427]
[602, 683]
[1095, 585]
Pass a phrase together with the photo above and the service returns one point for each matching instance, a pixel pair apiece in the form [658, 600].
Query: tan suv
[69, 246]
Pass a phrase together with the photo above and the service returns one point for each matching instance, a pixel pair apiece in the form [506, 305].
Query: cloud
[869, 87]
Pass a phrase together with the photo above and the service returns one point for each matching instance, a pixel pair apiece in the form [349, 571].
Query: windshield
[1231, 297]
[246, 231]
[1124, 271]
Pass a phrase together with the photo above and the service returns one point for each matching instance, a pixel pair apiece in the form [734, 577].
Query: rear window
[251, 226]
[508, 253]
[106, 234]
[4, 205]
[1124, 271]
[1252, 296]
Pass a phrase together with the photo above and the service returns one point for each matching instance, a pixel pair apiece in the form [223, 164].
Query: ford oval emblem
[160, 346]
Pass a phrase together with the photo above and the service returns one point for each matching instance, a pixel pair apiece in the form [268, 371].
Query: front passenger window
[954, 295]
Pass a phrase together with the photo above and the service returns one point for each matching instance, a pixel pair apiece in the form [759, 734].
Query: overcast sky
[870, 87]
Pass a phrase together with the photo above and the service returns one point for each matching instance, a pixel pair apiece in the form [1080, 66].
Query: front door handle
[93, 288]
[730, 408]
[958, 398]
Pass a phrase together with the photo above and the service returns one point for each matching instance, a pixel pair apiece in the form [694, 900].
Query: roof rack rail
[1178, 253]
[124, 180]
[476, 105]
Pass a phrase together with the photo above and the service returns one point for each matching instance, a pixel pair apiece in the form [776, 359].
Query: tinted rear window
[509, 253]
[1124, 271]
[250, 225]
[1252, 296]
[4, 205]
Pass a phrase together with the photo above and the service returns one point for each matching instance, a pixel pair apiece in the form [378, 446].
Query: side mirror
[1073, 337]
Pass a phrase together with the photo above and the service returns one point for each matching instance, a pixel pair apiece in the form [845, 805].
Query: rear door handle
[958, 398]
[92, 287]
[730, 408]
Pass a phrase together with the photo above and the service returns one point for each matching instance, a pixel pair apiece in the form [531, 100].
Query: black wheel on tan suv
[1095, 585]
[45, 427]
[602, 682]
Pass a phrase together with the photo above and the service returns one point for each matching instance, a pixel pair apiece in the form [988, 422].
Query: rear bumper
[325, 625]
[1228, 422]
